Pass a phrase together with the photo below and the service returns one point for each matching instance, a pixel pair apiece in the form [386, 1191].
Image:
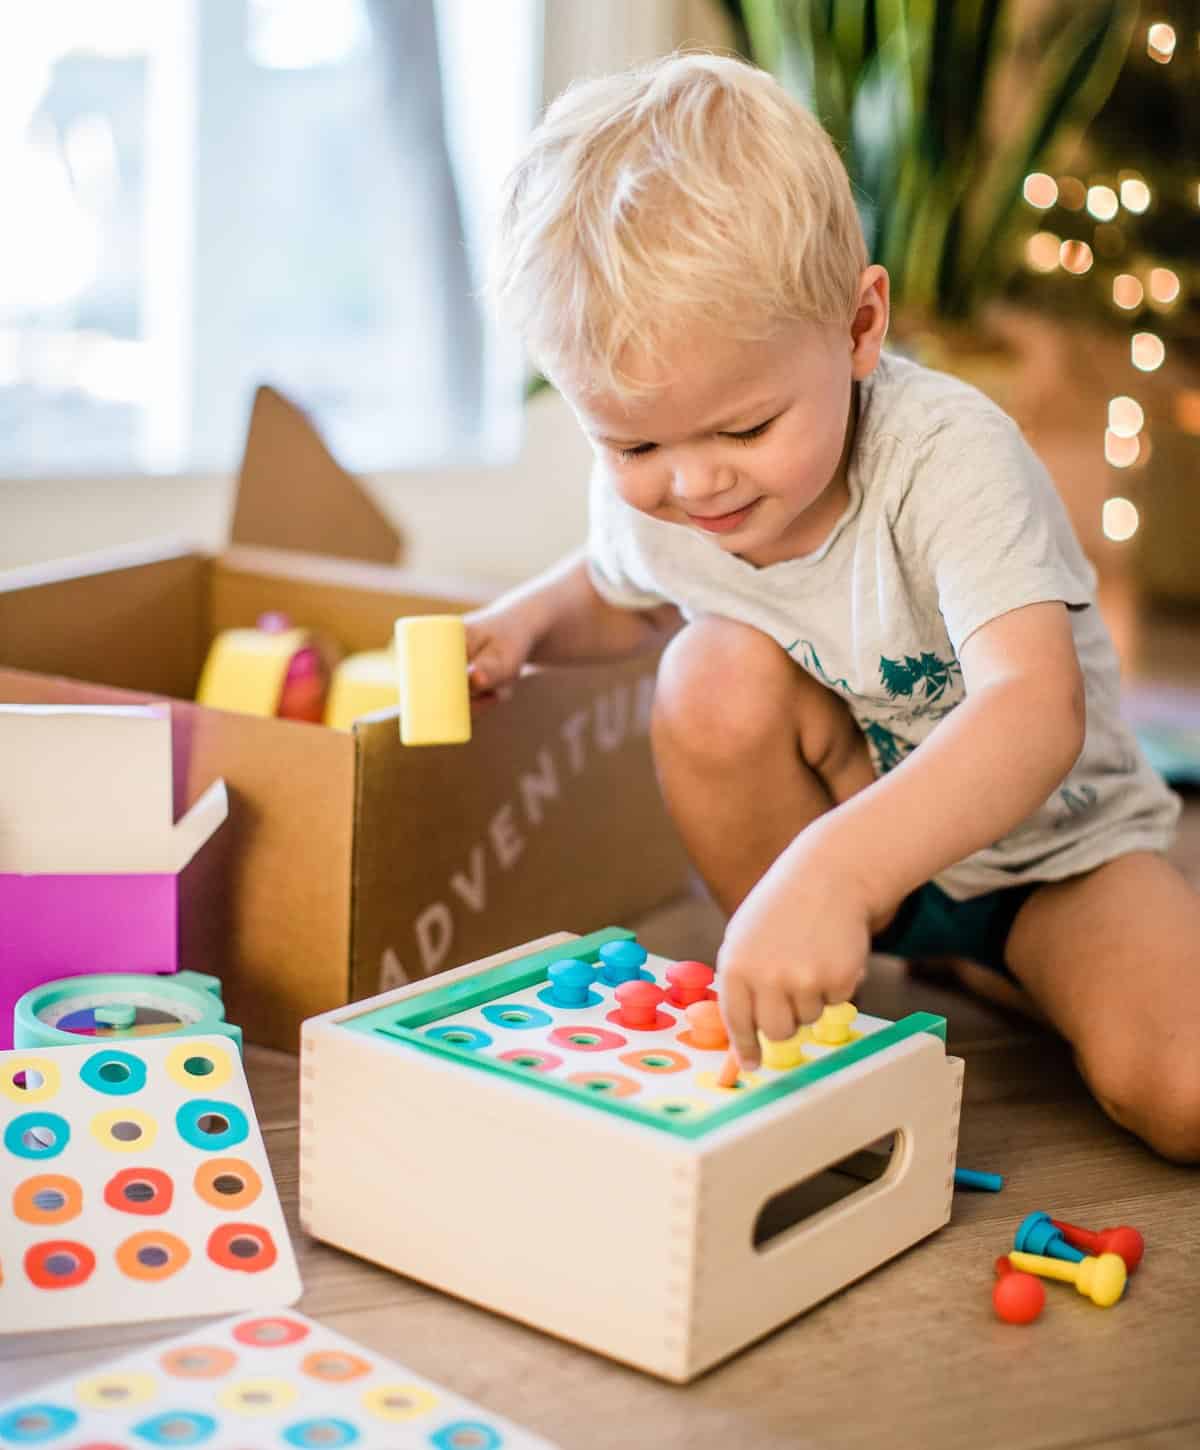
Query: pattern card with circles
[134, 1185]
[267, 1380]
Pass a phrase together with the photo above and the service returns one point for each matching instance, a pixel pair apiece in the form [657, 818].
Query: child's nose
[695, 478]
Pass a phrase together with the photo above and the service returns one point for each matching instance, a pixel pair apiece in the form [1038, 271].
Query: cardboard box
[349, 864]
[90, 852]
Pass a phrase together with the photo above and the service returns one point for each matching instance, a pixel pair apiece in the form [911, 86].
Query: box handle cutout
[794, 1207]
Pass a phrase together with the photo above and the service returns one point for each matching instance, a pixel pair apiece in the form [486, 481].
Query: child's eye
[748, 435]
[639, 450]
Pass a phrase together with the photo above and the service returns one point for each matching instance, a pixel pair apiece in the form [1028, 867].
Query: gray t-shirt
[952, 521]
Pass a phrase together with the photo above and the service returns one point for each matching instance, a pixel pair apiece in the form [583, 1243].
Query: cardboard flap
[192, 830]
[87, 790]
[293, 494]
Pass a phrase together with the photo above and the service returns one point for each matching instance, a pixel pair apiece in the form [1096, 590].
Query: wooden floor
[911, 1357]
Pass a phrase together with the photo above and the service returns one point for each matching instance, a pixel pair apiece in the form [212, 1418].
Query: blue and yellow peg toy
[431, 668]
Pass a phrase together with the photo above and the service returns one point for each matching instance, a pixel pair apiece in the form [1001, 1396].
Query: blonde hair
[693, 189]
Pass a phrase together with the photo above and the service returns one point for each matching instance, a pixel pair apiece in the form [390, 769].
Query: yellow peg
[785, 1054]
[832, 1028]
[1100, 1279]
[431, 664]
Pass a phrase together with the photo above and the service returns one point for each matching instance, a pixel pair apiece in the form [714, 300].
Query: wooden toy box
[614, 1195]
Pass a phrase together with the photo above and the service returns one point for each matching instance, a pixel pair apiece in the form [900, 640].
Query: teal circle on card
[516, 1016]
[37, 1135]
[466, 1435]
[36, 1424]
[177, 1427]
[115, 1073]
[470, 1039]
[211, 1124]
[324, 1432]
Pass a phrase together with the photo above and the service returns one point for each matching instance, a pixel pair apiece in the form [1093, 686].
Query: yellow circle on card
[29, 1079]
[400, 1402]
[199, 1067]
[116, 1391]
[258, 1396]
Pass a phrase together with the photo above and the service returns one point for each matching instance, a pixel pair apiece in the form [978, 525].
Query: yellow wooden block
[246, 668]
[361, 683]
[431, 666]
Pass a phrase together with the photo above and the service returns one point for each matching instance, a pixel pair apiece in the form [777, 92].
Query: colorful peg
[431, 664]
[570, 983]
[832, 1028]
[1036, 1234]
[1017, 1298]
[621, 961]
[707, 1028]
[690, 982]
[1102, 1280]
[785, 1054]
[639, 1007]
[971, 1178]
[1123, 1240]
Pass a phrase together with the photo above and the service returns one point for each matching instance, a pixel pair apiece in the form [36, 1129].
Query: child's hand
[798, 941]
[500, 640]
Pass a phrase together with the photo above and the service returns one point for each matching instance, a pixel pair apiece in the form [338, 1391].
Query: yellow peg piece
[785, 1054]
[431, 666]
[832, 1028]
[1100, 1279]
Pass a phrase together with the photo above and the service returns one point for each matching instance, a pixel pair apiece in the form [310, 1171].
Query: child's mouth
[724, 523]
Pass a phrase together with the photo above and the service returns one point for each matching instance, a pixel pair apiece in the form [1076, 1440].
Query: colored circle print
[59, 1264]
[177, 1427]
[35, 1424]
[466, 1435]
[125, 1130]
[115, 1073]
[29, 1079]
[244, 1246]
[228, 1183]
[271, 1332]
[587, 1039]
[606, 1084]
[116, 1391]
[325, 1433]
[199, 1068]
[656, 1059]
[48, 1198]
[532, 1059]
[258, 1396]
[470, 1039]
[516, 1016]
[152, 1255]
[399, 1402]
[37, 1135]
[334, 1366]
[210, 1124]
[198, 1362]
[139, 1190]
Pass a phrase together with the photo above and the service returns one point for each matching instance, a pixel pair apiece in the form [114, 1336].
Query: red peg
[639, 1001]
[1125, 1241]
[707, 1029]
[1017, 1298]
[690, 982]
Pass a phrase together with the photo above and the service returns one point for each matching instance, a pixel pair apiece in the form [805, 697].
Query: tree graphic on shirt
[925, 672]
[888, 748]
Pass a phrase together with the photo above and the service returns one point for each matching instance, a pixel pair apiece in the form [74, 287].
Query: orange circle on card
[228, 1183]
[247, 1247]
[139, 1190]
[198, 1361]
[47, 1198]
[152, 1255]
[334, 1366]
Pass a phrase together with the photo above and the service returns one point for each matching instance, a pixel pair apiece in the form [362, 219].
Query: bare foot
[981, 982]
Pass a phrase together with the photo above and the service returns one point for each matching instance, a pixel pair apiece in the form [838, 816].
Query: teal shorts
[929, 923]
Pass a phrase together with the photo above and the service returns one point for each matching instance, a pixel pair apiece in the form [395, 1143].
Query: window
[201, 195]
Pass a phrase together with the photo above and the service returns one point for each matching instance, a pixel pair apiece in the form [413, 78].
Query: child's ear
[870, 323]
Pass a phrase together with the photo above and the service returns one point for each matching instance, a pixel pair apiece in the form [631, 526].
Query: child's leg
[1113, 959]
[749, 749]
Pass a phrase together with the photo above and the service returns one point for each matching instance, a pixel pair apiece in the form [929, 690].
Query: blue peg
[1037, 1235]
[570, 980]
[621, 961]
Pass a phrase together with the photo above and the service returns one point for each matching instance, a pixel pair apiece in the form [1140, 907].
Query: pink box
[90, 854]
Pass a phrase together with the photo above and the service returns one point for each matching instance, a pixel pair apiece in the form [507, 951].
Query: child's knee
[723, 690]
[1156, 1098]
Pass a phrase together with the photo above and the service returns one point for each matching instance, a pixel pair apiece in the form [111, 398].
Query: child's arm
[801, 937]
[558, 617]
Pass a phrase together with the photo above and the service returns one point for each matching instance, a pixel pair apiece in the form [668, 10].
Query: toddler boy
[887, 717]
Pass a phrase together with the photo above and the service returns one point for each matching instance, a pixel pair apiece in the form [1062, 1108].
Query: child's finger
[737, 1007]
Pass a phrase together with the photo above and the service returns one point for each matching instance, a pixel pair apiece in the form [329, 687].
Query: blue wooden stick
[987, 1182]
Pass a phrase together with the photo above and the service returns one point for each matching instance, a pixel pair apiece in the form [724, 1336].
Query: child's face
[745, 442]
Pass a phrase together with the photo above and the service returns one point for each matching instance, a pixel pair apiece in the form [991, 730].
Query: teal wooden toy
[109, 1005]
